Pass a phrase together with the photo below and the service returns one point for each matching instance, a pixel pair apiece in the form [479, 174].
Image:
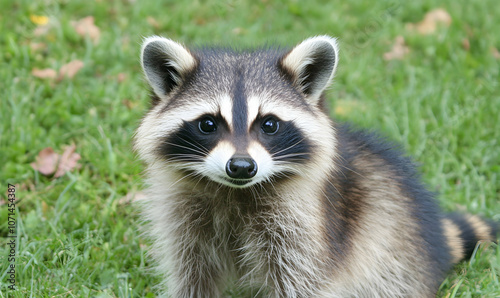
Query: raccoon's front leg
[286, 258]
[193, 250]
[197, 270]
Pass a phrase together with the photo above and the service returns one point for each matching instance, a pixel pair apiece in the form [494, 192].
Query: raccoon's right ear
[165, 63]
[311, 65]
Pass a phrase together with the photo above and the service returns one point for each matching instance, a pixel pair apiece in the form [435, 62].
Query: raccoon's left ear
[166, 64]
[312, 64]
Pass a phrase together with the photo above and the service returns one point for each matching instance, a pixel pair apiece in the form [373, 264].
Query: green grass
[74, 237]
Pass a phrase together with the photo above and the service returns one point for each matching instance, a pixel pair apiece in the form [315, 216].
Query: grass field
[76, 238]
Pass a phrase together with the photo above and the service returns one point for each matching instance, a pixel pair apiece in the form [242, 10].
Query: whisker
[286, 156]
[183, 177]
[349, 169]
[200, 150]
[184, 157]
[197, 145]
[288, 148]
[199, 180]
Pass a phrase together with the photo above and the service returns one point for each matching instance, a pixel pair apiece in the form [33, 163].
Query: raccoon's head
[238, 118]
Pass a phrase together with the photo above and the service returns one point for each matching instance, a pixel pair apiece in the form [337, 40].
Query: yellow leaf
[39, 20]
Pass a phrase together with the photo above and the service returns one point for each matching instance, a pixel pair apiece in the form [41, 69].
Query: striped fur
[253, 186]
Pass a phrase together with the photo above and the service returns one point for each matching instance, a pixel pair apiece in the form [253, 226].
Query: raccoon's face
[237, 118]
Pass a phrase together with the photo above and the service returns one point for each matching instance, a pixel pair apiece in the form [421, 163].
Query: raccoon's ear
[165, 64]
[311, 65]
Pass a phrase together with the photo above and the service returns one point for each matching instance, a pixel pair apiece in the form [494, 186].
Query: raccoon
[251, 184]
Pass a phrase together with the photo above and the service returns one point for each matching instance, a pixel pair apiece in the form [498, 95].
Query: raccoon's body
[252, 185]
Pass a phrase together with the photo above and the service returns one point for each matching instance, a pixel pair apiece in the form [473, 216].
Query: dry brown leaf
[133, 196]
[41, 30]
[70, 69]
[121, 77]
[430, 22]
[153, 22]
[46, 161]
[69, 161]
[46, 73]
[37, 46]
[86, 27]
[399, 50]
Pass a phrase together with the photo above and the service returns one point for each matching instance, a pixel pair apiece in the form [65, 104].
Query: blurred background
[424, 73]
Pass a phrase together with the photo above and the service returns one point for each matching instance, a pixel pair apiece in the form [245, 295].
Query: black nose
[241, 168]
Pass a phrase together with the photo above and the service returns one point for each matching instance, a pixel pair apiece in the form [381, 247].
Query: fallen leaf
[36, 46]
[153, 22]
[46, 73]
[430, 22]
[398, 51]
[39, 20]
[69, 161]
[133, 196]
[46, 161]
[70, 69]
[86, 27]
[41, 30]
[466, 44]
[121, 77]
[49, 162]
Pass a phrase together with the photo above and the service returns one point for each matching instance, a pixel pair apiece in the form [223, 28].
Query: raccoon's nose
[241, 168]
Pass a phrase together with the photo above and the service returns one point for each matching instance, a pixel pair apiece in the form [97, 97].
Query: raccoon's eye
[270, 126]
[207, 125]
